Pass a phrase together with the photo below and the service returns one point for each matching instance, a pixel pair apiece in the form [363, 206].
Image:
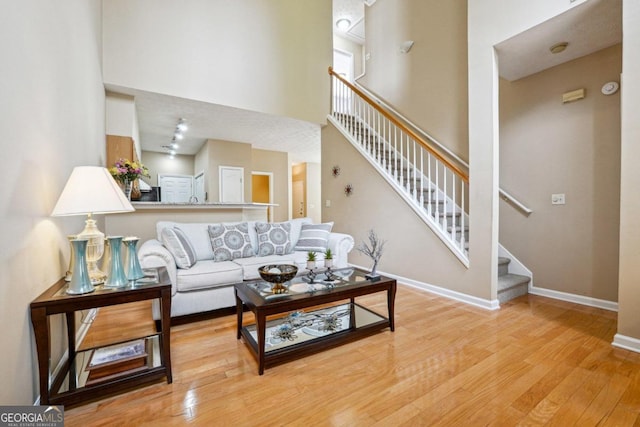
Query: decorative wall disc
[335, 171]
[348, 190]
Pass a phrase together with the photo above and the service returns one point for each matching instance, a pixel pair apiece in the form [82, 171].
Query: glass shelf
[79, 375]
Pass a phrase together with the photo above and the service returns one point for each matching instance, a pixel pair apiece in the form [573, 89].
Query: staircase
[434, 188]
[432, 182]
[510, 286]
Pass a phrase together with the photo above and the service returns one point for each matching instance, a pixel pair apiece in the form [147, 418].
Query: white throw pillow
[230, 241]
[179, 245]
[314, 237]
[273, 238]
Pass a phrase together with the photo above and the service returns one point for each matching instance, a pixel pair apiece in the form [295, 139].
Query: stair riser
[511, 293]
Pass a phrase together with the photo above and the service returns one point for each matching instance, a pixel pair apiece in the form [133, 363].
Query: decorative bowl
[278, 274]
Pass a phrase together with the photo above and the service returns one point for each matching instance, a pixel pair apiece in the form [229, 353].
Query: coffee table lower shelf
[312, 335]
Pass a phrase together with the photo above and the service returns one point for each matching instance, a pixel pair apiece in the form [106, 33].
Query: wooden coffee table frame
[261, 308]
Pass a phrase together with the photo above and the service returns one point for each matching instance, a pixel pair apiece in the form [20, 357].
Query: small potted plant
[328, 258]
[311, 260]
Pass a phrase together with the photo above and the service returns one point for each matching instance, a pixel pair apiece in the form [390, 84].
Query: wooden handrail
[455, 169]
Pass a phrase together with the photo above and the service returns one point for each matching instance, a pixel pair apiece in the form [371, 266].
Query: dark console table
[72, 384]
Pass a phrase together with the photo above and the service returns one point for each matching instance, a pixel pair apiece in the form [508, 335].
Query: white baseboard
[578, 299]
[628, 343]
[443, 292]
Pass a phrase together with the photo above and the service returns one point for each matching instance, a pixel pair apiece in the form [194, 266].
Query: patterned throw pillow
[179, 245]
[314, 237]
[230, 241]
[273, 238]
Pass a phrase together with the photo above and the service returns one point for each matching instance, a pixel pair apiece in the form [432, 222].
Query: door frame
[270, 208]
[204, 190]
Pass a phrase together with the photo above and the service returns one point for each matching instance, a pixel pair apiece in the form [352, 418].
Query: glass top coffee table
[310, 317]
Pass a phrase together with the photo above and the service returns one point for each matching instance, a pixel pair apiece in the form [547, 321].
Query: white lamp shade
[91, 190]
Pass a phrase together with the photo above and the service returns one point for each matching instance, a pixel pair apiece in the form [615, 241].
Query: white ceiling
[158, 115]
[353, 10]
[589, 27]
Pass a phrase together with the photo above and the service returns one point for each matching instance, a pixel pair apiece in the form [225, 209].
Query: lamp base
[95, 250]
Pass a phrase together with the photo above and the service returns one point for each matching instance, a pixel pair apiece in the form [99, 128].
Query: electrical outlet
[557, 199]
[327, 203]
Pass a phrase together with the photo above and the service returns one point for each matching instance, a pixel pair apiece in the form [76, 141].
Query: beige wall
[412, 250]
[267, 56]
[276, 162]
[629, 290]
[160, 163]
[428, 85]
[122, 118]
[225, 153]
[52, 115]
[549, 147]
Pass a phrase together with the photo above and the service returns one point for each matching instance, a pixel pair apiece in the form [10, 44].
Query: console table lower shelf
[302, 333]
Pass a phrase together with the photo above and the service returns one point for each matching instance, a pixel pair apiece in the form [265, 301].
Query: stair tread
[509, 281]
[503, 260]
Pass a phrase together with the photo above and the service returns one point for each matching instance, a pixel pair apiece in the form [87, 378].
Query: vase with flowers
[127, 172]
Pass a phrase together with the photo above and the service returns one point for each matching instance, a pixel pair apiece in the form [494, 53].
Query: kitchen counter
[142, 222]
[218, 205]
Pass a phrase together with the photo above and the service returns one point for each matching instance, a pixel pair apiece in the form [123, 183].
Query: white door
[198, 188]
[175, 188]
[231, 184]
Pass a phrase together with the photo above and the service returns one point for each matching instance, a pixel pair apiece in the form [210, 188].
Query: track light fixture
[182, 125]
[178, 135]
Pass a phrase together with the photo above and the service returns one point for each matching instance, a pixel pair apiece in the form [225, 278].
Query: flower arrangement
[125, 170]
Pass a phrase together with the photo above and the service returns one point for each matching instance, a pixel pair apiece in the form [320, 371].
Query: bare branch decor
[374, 251]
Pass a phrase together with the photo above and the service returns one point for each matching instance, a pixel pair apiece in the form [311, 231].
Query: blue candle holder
[80, 282]
[116, 277]
[132, 265]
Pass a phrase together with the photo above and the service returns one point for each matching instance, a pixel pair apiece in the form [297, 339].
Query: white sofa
[208, 284]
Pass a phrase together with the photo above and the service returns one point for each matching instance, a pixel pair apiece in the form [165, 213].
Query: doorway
[262, 190]
[198, 188]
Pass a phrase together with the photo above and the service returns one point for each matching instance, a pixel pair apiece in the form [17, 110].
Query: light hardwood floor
[536, 361]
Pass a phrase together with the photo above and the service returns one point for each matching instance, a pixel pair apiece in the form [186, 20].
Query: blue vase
[132, 266]
[80, 282]
[116, 277]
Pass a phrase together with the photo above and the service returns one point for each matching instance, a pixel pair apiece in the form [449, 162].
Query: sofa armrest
[340, 245]
[152, 254]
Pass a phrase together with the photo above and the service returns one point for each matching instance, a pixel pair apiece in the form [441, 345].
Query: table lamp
[91, 190]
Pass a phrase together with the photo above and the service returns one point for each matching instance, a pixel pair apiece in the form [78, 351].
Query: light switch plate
[557, 199]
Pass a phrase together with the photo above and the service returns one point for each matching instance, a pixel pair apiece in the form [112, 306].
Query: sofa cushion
[208, 274]
[230, 241]
[250, 265]
[296, 225]
[273, 238]
[314, 237]
[179, 245]
[197, 233]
